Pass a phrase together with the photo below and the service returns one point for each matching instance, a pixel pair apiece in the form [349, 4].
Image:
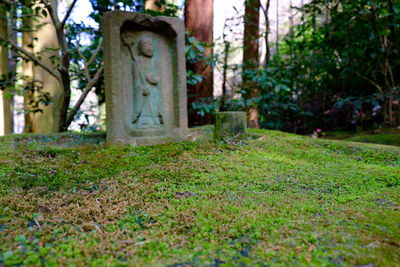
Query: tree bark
[27, 72]
[12, 58]
[199, 22]
[5, 102]
[250, 55]
[291, 33]
[277, 29]
[48, 121]
[266, 35]
[227, 45]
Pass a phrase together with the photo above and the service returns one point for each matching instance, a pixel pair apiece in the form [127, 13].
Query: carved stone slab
[145, 78]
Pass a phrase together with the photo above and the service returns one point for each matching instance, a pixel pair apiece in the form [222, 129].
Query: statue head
[127, 38]
[146, 47]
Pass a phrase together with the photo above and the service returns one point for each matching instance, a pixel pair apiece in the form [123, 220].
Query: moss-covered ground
[385, 137]
[276, 200]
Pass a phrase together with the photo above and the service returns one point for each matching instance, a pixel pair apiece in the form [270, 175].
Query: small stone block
[145, 78]
[230, 126]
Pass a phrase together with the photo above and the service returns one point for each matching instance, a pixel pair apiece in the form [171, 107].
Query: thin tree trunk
[250, 55]
[12, 59]
[314, 59]
[5, 103]
[291, 36]
[27, 71]
[266, 35]
[386, 69]
[199, 22]
[324, 93]
[224, 75]
[391, 40]
[293, 74]
[277, 29]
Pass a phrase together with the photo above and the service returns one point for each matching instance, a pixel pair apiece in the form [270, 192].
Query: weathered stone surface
[145, 78]
[230, 126]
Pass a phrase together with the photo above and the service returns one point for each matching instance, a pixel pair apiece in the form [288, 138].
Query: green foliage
[211, 105]
[338, 68]
[194, 52]
[278, 106]
[167, 9]
[15, 83]
[342, 60]
[32, 89]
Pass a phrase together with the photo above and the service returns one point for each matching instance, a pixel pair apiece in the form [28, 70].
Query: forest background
[297, 66]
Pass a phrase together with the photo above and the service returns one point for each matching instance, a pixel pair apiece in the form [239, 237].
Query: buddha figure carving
[144, 78]
[147, 101]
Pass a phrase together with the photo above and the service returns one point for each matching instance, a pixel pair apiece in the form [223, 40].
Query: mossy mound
[51, 140]
[278, 199]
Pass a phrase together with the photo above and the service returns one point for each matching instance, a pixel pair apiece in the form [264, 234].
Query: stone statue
[147, 106]
[144, 78]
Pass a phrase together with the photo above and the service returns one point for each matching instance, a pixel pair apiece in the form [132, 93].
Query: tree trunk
[277, 29]
[391, 42]
[266, 35]
[27, 72]
[153, 5]
[250, 55]
[291, 33]
[5, 102]
[49, 120]
[12, 59]
[52, 60]
[199, 22]
[223, 107]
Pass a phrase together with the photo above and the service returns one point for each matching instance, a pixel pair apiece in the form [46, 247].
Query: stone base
[230, 126]
[149, 141]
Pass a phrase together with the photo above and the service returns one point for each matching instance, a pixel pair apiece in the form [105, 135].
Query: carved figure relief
[144, 78]
[146, 84]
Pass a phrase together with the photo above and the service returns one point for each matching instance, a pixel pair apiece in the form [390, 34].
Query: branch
[36, 60]
[68, 13]
[95, 53]
[8, 2]
[371, 82]
[65, 54]
[88, 63]
[86, 91]
[264, 10]
[85, 65]
[52, 13]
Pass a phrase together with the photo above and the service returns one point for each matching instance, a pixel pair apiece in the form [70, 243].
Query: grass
[278, 200]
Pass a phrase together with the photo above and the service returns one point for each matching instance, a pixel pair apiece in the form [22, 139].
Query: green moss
[280, 199]
[385, 139]
[389, 136]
